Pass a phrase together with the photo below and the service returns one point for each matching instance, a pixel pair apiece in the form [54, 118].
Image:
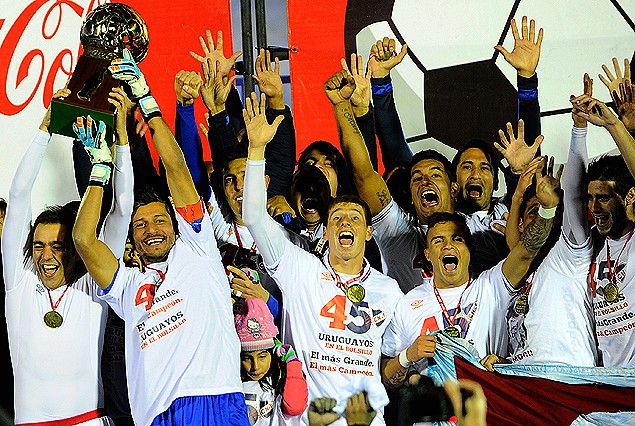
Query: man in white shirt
[336, 307]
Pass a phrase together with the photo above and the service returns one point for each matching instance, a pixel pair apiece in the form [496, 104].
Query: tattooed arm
[370, 185]
[393, 373]
[536, 230]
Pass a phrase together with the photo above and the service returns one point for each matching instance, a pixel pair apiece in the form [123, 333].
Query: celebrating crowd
[271, 287]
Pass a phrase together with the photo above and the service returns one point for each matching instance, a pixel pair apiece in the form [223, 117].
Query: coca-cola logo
[38, 22]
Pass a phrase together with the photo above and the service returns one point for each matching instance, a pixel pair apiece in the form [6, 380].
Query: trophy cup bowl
[106, 31]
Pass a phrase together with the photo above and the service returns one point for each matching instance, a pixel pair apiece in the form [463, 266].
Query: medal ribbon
[56, 304]
[617, 262]
[444, 310]
[359, 277]
[161, 274]
[529, 284]
[240, 242]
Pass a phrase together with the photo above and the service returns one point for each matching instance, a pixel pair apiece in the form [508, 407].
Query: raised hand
[360, 99]
[384, 57]
[285, 352]
[547, 185]
[216, 87]
[616, 84]
[526, 52]
[186, 86]
[215, 53]
[517, 153]
[93, 137]
[340, 87]
[587, 82]
[259, 131]
[61, 94]
[126, 69]
[269, 80]
[594, 111]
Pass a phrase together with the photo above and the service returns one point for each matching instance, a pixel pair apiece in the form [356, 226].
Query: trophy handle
[91, 84]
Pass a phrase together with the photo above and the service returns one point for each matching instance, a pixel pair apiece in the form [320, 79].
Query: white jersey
[401, 240]
[558, 327]
[265, 407]
[614, 313]
[335, 338]
[181, 341]
[56, 370]
[480, 317]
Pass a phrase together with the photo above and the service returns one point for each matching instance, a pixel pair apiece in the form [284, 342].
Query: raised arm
[392, 141]
[18, 215]
[599, 114]
[186, 86]
[100, 261]
[535, 234]
[267, 234]
[575, 223]
[370, 185]
[281, 151]
[179, 179]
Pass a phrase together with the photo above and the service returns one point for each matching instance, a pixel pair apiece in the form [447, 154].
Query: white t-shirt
[482, 314]
[334, 338]
[183, 342]
[56, 370]
[558, 327]
[265, 407]
[615, 319]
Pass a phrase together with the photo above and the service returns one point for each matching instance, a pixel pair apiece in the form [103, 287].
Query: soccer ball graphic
[453, 86]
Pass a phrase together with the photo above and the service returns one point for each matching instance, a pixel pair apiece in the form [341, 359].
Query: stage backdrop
[39, 46]
[453, 85]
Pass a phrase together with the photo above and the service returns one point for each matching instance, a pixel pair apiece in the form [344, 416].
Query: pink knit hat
[255, 327]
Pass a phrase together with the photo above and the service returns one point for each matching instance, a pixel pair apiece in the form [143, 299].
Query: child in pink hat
[273, 383]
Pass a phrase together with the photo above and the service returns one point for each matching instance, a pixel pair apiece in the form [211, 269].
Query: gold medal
[453, 331]
[521, 305]
[611, 292]
[355, 293]
[53, 319]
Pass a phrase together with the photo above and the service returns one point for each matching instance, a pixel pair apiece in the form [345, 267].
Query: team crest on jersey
[326, 276]
[416, 304]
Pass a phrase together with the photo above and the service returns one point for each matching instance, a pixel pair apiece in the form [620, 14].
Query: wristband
[403, 359]
[547, 213]
[149, 107]
[100, 174]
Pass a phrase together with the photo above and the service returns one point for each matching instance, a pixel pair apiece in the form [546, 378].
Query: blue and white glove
[96, 147]
[126, 69]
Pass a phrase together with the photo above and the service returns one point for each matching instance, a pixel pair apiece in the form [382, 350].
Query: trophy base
[65, 115]
[90, 85]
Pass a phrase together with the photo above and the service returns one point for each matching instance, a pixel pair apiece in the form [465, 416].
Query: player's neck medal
[53, 319]
[521, 305]
[611, 291]
[453, 331]
[355, 293]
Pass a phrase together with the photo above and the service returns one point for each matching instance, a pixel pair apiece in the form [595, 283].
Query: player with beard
[336, 307]
[611, 191]
[182, 353]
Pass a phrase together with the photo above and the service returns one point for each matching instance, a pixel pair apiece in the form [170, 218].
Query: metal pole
[261, 24]
[248, 46]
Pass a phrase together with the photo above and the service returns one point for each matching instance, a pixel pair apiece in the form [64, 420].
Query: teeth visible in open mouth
[450, 262]
[154, 241]
[346, 238]
[239, 199]
[310, 205]
[474, 190]
[49, 270]
[430, 198]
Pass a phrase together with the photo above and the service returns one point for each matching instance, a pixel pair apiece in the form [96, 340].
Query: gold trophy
[106, 32]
